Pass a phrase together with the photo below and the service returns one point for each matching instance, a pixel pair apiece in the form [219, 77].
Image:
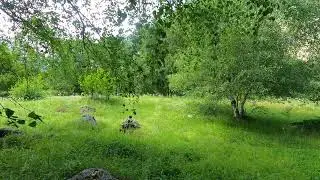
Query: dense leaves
[98, 82]
[15, 121]
[227, 49]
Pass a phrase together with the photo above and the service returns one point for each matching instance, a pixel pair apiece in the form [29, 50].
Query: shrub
[29, 90]
[7, 81]
[314, 91]
[97, 83]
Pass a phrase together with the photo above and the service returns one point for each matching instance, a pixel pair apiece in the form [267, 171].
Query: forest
[159, 89]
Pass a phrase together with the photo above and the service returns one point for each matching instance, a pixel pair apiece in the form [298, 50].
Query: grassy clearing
[180, 138]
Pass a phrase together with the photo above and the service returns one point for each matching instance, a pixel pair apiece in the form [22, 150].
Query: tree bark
[237, 105]
[235, 109]
[242, 111]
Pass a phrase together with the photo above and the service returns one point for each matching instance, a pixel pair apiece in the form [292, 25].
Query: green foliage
[130, 105]
[16, 121]
[116, 54]
[8, 75]
[65, 63]
[314, 91]
[29, 89]
[231, 49]
[98, 83]
[237, 50]
[152, 66]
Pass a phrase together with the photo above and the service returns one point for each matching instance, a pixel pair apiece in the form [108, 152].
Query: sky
[95, 12]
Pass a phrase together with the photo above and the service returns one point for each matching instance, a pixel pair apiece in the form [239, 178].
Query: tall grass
[180, 138]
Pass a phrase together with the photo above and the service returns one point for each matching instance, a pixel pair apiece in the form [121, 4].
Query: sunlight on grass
[176, 141]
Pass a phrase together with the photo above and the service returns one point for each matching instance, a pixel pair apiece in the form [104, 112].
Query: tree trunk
[242, 112]
[238, 107]
[235, 109]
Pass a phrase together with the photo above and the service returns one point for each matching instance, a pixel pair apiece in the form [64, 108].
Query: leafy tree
[30, 89]
[70, 63]
[98, 82]
[238, 50]
[116, 54]
[302, 23]
[8, 73]
[152, 66]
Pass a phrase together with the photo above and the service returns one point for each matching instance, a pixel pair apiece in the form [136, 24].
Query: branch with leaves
[16, 121]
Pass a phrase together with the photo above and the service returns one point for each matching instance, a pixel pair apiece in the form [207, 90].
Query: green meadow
[179, 138]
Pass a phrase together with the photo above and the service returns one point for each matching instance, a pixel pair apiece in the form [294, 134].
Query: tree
[237, 50]
[153, 69]
[302, 23]
[98, 82]
[8, 71]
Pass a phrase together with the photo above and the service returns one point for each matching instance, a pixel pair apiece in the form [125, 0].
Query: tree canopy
[232, 50]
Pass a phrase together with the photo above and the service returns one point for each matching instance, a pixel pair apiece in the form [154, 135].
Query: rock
[89, 118]
[93, 174]
[87, 110]
[5, 131]
[130, 123]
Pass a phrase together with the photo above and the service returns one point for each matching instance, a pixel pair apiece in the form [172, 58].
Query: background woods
[180, 78]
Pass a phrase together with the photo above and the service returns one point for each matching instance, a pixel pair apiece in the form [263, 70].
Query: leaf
[34, 116]
[20, 121]
[33, 124]
[8, 112]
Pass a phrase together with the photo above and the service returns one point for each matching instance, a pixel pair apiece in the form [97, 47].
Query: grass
[180, 138]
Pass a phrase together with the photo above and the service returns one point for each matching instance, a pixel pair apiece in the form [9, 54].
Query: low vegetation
[154, 89]
[178, 140]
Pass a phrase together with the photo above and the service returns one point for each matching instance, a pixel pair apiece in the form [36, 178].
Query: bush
[34, 89]
[314, 91]
[97, 83]
[7, 81]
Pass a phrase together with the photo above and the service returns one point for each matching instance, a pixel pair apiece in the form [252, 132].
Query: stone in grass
[129, 123]
[5, 131]
[93, 174]
[89, 118]
[87, 110]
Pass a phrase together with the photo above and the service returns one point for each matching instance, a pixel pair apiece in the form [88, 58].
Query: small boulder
[89, 118]
[5, 131]
[86, 112]
[129, 123]
[93, 174]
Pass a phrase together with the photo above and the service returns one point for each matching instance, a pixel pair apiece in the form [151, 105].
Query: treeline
[109, 66]
[228, 49]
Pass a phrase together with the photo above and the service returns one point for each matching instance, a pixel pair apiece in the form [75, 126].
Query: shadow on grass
[278, 124]
[260, 119]
[139, 160]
